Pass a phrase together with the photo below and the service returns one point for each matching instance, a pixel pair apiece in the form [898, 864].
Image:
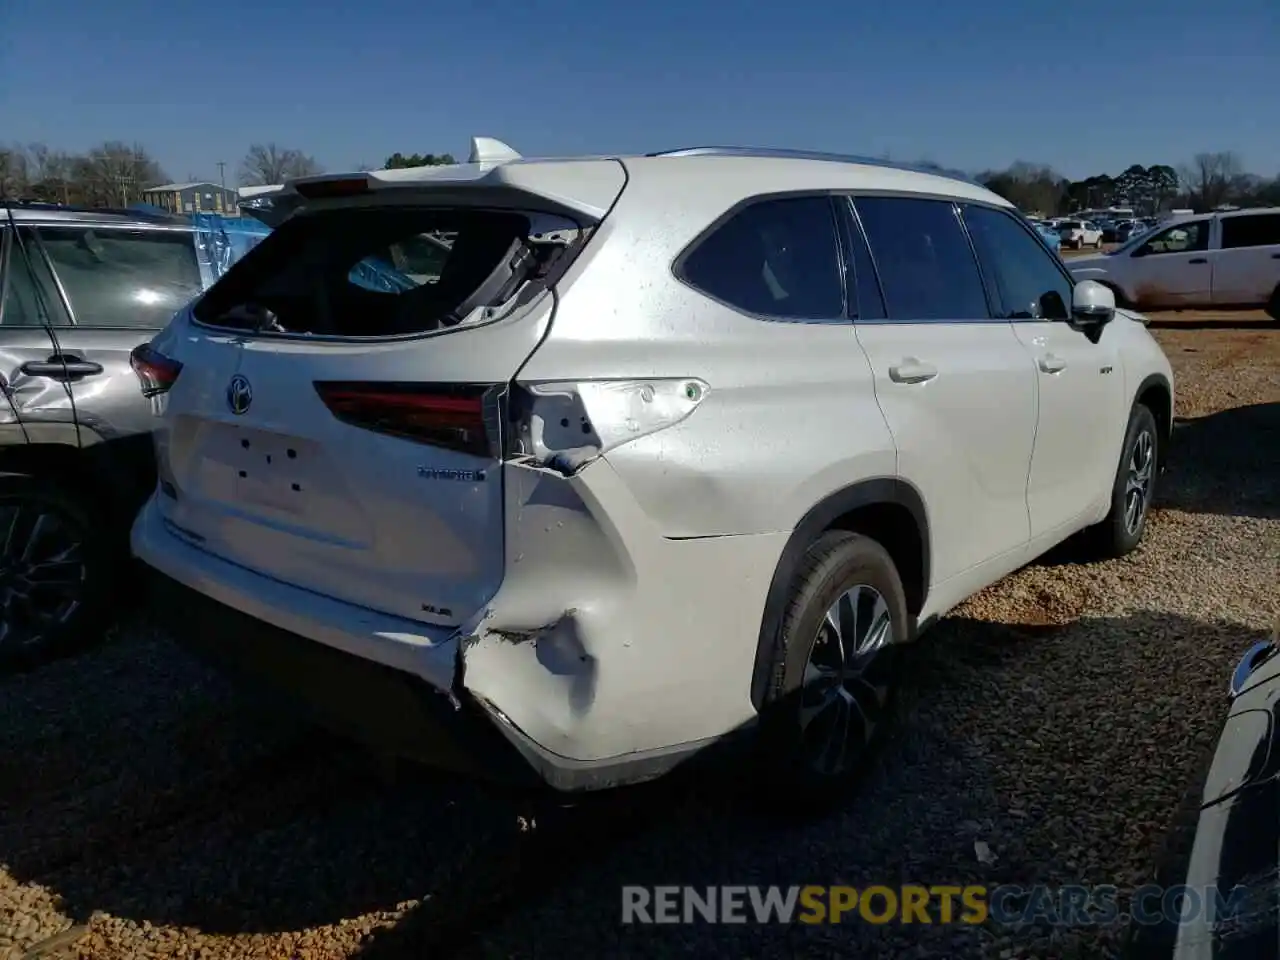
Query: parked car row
[1077, 233]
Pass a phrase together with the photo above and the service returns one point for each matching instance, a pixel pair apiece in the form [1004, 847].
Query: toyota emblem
[239, 395]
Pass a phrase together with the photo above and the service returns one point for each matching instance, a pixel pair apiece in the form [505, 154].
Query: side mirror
[1092, 303]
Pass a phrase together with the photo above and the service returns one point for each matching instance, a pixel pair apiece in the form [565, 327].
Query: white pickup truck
[1228, 260]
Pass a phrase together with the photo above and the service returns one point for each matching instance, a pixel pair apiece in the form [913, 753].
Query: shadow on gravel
[1080, 788]
[1227, 463]
[135, 783]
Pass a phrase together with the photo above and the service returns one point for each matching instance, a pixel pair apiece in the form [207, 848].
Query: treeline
[1208, 181]
[115, 173]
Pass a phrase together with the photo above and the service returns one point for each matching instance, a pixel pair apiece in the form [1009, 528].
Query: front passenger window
[1028, 281]
[1180, 238]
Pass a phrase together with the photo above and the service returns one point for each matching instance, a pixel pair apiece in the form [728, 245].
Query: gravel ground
[148, 810]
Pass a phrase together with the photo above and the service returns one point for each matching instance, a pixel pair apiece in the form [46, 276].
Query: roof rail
[787, 154]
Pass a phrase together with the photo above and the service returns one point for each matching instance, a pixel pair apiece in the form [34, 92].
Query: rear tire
[1273, 306]
[56, 571]
[834, 671]
[1133, 489]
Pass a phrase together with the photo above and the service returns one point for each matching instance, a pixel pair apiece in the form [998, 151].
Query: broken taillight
[452, 416]
[156, 372]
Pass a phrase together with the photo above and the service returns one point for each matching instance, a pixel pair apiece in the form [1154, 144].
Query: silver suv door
[120, 284]
[38, 405]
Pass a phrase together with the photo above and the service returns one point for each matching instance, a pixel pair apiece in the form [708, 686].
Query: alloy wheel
[42, 574]
[845, 687]
[1138, 486]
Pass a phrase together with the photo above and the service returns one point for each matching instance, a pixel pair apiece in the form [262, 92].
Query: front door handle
[911, 370]
[1198, 260]
[1050, 363]
[61, 367]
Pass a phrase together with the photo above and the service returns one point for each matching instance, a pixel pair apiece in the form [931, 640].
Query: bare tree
[14, 172]
[1211, 177]
[1032, 187]
[114, 174]
[50, 172]
[268, 163]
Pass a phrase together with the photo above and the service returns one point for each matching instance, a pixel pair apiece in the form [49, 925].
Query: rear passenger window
[1029, 284]
[1251, 230]
[926, 266]
[776, 258]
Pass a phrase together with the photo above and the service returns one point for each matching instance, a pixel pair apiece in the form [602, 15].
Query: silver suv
[79, 289]
[666, 448]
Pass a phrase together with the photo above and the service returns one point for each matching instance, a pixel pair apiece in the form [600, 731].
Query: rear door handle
[61, 368]
[1050, 363]
[911, 370]
[1197, 260]
[1275, 256]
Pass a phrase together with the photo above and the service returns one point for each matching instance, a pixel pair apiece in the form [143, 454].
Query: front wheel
[53, 570]
[834, 667]
[1273, 306]
[1133, 489]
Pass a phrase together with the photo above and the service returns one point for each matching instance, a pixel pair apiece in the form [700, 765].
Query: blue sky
[1084, 86]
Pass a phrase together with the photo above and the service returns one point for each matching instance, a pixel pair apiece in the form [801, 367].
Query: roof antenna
[489, 150]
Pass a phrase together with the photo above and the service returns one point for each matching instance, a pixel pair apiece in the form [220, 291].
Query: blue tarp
[221, 241]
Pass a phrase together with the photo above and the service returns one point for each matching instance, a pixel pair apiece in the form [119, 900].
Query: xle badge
[466, 476]
[1106, 370]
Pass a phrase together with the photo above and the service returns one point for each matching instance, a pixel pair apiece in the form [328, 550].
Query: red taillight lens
[442, 415]
[155, 371]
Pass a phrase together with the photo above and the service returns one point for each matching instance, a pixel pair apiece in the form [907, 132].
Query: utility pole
[222, 166]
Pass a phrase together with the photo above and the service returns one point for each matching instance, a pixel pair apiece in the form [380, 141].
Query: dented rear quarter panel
[608, 638]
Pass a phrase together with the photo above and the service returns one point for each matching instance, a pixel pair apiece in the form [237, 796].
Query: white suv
[1078, 234]
[667, 447]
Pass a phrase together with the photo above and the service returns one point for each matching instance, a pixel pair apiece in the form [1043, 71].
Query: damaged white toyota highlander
[617, 457]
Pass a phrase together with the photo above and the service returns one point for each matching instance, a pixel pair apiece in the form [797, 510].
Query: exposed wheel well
[1156, 398]
[887, 509]
[894, 527]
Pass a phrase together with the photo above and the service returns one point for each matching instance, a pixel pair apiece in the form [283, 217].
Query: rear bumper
[392, 684]
[386, 709]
